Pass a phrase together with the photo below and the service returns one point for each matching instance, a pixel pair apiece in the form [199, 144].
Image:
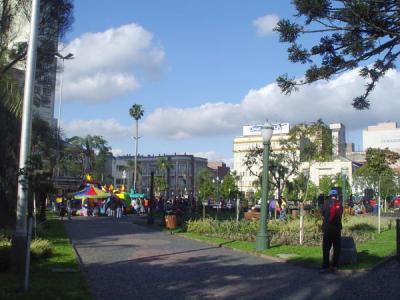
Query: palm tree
[136, 112]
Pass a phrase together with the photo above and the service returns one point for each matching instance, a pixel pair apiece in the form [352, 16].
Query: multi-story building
[180, 177]
[338, 139]
[340, 165]
[251, 139]
[382, 135]
[219, 169]
[45, 80]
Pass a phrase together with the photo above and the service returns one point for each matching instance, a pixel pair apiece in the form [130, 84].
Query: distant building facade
[338, 139]
[382, 135]
[244, 144]
[45, 80]
[180, 177]
[219, 169]
[251, 139]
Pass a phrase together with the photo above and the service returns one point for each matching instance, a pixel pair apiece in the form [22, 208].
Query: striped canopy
[91, 192]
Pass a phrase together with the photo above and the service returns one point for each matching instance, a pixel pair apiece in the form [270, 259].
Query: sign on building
[279, 128]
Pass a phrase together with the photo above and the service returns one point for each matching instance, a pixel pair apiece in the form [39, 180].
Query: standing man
[332, 211]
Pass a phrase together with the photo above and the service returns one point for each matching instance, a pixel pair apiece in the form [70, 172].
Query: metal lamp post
[262, 237]
[216, 180]
[63, 58]
[344, 194]
[124, 178]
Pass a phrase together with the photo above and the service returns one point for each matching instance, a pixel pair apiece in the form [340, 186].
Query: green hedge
[40, 248]
[362, 229]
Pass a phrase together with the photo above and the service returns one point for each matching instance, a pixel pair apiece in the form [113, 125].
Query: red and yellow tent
[91, 192]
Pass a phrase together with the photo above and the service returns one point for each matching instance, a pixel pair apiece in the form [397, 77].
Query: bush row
[40, 248]
[284, 233]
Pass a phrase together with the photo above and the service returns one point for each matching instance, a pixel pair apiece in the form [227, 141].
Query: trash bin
[170, 221]
[295, 213]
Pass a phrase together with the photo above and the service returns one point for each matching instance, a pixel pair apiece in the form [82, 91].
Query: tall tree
[378, 166]
[228, 187]
[351, 33]
[163, 166]
[86, 154]
[204, 183]
[136, 112]
[55, 20]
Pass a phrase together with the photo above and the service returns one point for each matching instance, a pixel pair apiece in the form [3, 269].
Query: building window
[47, 92]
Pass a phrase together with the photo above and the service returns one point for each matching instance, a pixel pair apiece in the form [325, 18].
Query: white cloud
[100, 87]
[330, 101]
[107, 64]
[209, 118]
[265, 24]
[118, 152]
[215, 156]
[110, 129]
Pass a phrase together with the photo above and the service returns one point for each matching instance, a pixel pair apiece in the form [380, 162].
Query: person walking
[62, 210]
[69, 208]
[332, 211]
[118, 207]
[282, 215]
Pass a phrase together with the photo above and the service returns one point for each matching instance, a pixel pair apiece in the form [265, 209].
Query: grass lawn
[368, 254]
[44, 282]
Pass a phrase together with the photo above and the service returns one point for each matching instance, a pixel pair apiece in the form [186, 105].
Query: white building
[330, 168]
[251, 139]
[338, 139]
[382, 135]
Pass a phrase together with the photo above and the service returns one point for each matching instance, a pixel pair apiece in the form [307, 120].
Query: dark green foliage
[350, 33]
[377, 172]
[94, 148]
[281, 233]
[203, 181]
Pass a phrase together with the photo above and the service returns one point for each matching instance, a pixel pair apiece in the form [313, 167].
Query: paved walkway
[126, 261]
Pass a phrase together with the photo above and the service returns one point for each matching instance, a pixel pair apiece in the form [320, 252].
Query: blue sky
[201, 70]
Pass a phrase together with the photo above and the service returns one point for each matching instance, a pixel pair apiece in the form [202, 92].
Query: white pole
[59, 118]
[136, 153]
[379, 206]
[22, 196]
[237, 209]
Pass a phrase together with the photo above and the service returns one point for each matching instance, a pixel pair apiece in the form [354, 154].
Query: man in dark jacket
[331, 226]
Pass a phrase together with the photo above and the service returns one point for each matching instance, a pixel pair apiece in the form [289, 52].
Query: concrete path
[126, 261]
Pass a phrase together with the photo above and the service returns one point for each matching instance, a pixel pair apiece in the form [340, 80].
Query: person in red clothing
[331, 226]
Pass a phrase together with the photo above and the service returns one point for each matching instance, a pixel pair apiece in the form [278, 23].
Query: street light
[63, 58]
[217, 181]
[262, 238]
[344, 194]
[124, 178]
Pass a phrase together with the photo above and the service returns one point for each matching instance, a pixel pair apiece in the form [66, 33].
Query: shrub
[362, 229]
[5, 252]
[228, 229]
[6, 233]
[41, 248]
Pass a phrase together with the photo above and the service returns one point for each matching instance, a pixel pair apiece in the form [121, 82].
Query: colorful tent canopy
[91, 192]
[123, 196]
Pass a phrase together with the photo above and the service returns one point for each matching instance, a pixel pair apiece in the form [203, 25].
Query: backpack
[335, 212]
